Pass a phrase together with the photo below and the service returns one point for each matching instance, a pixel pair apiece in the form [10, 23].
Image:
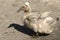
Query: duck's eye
[22, 7]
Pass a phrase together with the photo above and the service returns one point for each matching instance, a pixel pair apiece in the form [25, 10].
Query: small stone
[6, 33]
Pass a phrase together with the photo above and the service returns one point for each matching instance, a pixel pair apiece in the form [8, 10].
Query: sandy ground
[10, 17]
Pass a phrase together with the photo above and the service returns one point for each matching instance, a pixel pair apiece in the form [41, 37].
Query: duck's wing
[50, 21]
[45, 26]
[45, 14]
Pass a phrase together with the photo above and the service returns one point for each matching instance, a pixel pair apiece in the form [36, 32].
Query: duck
[39, 23]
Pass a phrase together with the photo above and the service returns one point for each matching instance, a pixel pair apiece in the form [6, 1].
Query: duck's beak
[18, 10]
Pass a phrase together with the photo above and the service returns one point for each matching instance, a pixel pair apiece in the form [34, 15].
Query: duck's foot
[35, 36]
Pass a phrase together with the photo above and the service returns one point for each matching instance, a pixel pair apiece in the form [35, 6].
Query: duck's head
[26, 7]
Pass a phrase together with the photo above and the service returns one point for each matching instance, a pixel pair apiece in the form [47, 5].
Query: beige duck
[39, 23]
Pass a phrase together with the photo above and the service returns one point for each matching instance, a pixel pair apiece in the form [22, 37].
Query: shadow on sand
[25, 30]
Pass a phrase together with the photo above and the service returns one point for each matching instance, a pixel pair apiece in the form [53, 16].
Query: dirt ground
[10, 22]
